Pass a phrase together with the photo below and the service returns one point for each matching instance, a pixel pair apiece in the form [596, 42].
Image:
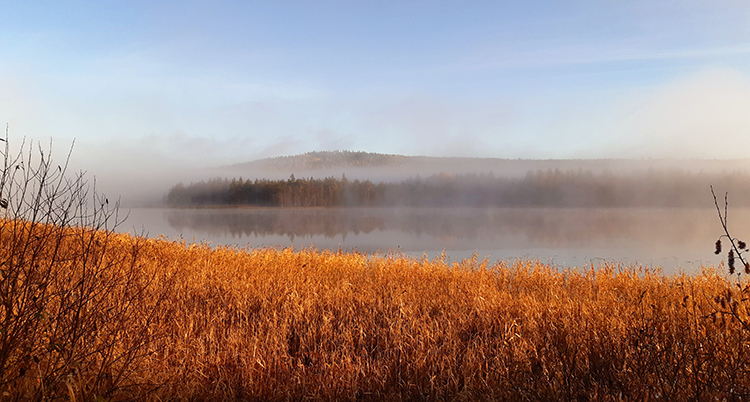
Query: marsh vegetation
[270, 324]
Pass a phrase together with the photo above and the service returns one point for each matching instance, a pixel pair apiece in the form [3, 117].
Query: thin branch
[724, 225]
[726, 204]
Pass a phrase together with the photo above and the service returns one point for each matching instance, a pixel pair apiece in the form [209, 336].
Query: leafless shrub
[74, 315]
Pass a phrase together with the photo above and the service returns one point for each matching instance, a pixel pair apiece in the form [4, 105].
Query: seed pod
[741, 244]
[747, 268]
[718, 247]
[730, 261]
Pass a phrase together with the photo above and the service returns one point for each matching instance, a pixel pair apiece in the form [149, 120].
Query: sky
[145, 86]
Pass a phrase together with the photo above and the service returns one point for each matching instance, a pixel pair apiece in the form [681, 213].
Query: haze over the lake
[152, 91]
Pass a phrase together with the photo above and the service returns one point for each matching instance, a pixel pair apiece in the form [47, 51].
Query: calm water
[671, 238]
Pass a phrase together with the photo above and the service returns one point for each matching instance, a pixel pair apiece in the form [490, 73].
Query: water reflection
[669, 237]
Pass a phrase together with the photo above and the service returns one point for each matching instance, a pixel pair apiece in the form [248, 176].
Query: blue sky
[143, 85]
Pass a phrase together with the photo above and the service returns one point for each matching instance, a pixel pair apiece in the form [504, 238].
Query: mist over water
[673, 238]
[146, 185]
[676, 238]
[664, 215]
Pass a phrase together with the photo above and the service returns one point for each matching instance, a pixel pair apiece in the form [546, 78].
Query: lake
[675, 239]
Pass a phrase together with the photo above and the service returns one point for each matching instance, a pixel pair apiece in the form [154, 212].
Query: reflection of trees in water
[267, 222]
[549, 227]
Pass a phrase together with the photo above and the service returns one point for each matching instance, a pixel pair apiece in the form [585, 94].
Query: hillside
[390, 167]
[327, 160]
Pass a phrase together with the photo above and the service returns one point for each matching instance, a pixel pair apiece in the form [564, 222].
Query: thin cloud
[558, 57]
[702, 115]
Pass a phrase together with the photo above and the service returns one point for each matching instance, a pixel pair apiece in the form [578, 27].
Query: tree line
[551, 188]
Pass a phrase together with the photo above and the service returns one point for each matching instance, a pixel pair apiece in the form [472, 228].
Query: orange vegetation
[168, 321]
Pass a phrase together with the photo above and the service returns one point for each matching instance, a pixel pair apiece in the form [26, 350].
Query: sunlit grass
[272, 324]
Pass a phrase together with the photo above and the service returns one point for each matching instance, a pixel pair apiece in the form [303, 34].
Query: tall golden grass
[172, 321]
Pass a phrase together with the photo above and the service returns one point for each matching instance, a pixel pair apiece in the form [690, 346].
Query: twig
[723, 221]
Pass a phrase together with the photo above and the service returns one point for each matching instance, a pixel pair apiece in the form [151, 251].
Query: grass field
[90, 314]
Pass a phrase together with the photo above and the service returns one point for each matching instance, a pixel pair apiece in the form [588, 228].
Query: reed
[271, 324]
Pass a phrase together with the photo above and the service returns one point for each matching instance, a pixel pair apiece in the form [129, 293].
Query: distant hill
[393, 167]
[328, 160]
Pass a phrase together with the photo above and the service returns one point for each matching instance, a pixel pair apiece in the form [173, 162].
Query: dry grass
[293, 325]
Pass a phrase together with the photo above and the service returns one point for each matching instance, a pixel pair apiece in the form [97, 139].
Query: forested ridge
[551, 188]
[330, 159]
